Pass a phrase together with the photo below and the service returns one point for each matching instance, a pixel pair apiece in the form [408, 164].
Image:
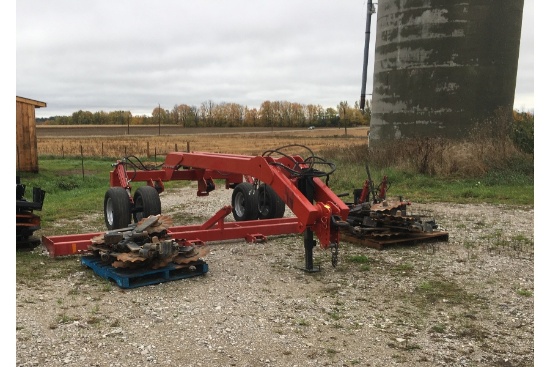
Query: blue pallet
[133, 278]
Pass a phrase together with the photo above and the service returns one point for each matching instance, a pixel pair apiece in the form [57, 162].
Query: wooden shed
[26, 144]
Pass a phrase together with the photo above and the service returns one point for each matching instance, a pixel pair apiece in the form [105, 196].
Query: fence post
[148, 153]
[82, 159]
[188, 150]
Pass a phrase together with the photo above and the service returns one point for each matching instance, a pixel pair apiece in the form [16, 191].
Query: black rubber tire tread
[28, 244]
[270, 205]
[146, 203]
[119, 201]
[244, 202]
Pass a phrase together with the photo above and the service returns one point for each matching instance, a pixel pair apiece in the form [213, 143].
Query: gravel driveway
[465, 302]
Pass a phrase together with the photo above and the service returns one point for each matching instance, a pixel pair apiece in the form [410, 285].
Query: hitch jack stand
[307, 188]
[309, 244]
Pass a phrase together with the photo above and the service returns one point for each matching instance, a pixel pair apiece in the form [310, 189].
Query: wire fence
[108, 144]
[111, 149]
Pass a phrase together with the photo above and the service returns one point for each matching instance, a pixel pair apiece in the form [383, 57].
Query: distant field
[141, 141]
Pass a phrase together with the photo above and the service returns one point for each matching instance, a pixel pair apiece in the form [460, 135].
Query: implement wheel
[116, 208]
[146, 203]
[244, 201]
[270, 205]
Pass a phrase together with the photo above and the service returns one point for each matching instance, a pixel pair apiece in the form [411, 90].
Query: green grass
[509, 189]
[361, 260]
[358, 259]
[524, 292]
[434, 291]
[438, 328]
[34, 268]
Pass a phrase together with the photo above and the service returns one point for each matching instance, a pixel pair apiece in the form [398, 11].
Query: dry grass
[445, 157]
[108, 142]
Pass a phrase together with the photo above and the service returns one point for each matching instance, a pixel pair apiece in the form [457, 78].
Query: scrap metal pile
[145, 244]
[386, 219]
[375, 220]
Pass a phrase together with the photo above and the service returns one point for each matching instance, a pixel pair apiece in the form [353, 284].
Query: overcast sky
[106, 55]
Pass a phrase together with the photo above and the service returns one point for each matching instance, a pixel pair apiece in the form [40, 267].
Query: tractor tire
[146, 203]
[116, 208]
[27, 243]
[244, 202]
[270, 205]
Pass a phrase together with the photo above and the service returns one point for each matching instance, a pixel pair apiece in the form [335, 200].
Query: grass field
[145, 141]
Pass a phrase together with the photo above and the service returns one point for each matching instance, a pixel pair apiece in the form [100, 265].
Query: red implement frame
[318, 210]
[376, 196]
[215, 229]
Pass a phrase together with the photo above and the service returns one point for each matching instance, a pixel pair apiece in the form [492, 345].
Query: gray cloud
[133, 55]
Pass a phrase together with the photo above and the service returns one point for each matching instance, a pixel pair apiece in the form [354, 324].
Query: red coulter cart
[263, 186]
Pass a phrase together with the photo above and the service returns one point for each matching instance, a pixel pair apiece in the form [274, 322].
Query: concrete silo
[442, 65]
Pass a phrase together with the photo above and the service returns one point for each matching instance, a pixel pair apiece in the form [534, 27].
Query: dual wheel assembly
[251, 203]
[248, 202]
[119, 210]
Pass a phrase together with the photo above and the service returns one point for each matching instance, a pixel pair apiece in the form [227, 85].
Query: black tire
[116, 208]
[270, 205]
[244, 202]
[146, 203]
[27, 243]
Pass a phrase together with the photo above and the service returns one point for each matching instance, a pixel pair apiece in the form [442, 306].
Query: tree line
[211, 114]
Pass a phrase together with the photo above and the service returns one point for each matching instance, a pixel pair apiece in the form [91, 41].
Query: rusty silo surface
[440, 65]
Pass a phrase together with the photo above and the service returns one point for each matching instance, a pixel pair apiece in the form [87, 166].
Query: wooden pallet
[133, 278]
[406, 239]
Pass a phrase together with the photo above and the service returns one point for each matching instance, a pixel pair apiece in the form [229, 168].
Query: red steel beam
[236, 230]
[66, 245]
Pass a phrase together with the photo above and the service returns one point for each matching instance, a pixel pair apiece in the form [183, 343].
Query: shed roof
[35, 103]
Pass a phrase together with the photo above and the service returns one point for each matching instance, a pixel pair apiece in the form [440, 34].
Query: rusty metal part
[129, 260]
[386, 219]
[154, 224]
[144, 244]
[334, 253]
[196, 253]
